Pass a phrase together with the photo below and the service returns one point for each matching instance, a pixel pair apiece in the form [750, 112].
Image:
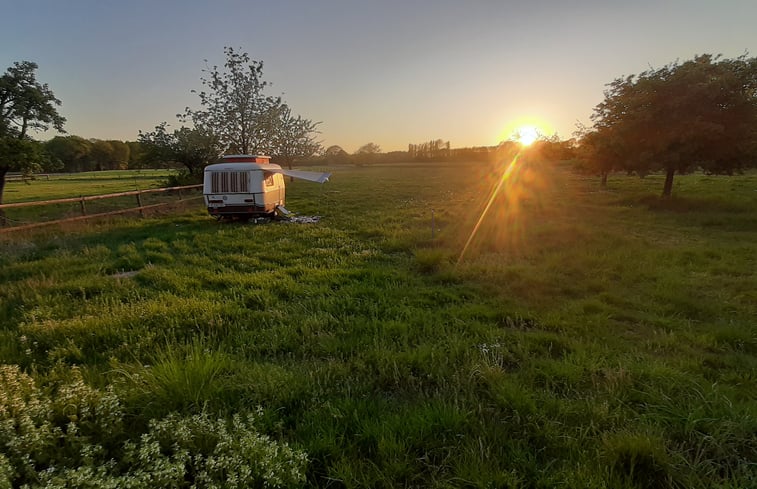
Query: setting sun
[526, 135]
[526, 130]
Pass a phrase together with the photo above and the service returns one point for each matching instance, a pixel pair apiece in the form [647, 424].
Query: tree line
[700, 114]
[236, 115]
[685, 116]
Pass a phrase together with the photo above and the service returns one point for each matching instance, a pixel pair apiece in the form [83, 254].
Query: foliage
[108, 155]
[193, 148]
[25, 105]
[368, 149]
[76, 437]
[435, 150]
[335, 155]
[599, 153]
[237, 111]
[73, 152]
[235, 108]
[367, 153]
[293, 137]
[183, 177]
[24, 154]
[700, 113]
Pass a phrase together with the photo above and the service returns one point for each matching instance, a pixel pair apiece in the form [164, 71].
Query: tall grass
[586, 338]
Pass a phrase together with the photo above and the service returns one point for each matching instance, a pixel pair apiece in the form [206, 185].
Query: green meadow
[64, 185]
[84, 184]
[566, 337]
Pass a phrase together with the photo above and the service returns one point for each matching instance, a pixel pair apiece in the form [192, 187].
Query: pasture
[85, 185]
[63, 185]
[586, 338]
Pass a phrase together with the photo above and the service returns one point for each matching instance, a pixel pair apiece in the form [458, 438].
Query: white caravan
[249, 186]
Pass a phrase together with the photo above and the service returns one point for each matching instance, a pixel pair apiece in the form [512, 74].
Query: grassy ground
[63, 185]
[583, 339]
[60, 186]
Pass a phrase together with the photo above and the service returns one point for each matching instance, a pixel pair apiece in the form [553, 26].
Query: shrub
[182, 178]
[75, 438]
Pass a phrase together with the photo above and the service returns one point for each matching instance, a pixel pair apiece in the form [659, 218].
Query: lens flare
[505, 179]
[526, 135]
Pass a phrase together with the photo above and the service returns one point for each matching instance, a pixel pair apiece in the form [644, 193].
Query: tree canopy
[293, 137]
[236, 116]
[25, 106]
[191, 147]
[701, 113]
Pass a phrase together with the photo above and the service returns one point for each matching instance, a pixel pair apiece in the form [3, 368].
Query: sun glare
[525, 130]
[526, 135]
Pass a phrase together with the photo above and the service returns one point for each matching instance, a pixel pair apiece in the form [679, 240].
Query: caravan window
[228, 182]
[268, 179]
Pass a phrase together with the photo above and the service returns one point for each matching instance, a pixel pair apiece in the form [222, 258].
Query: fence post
[139, 203]
[83, 207]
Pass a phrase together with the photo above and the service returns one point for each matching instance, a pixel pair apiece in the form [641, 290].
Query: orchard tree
[235, 107]
[599, 152]
[236, 116]
[698, 114]
[25, 106]
[293, 137]
[335, 154]
[368, 149]
[367, 152]
[192, 148]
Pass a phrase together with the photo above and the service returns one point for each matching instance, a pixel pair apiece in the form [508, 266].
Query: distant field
[586, 339]
[62, 185]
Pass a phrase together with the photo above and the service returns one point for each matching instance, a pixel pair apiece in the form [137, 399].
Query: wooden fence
[83, 207]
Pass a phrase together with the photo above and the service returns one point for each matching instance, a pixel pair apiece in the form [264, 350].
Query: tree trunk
[3, 172]
[668, 189]
[604, 180]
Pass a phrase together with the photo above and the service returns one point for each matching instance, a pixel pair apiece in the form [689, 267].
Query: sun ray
[502, 181]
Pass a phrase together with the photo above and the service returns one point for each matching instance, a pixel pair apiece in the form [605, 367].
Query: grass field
[586, 338]
[60, 186]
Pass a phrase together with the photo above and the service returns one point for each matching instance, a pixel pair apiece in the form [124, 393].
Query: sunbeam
[504, 179]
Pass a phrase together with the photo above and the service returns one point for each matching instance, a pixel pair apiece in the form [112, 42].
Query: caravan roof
[224, 166]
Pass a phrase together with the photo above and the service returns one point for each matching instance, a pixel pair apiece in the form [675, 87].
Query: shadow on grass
[686, 205]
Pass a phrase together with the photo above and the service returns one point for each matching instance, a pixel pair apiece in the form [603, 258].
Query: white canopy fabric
[312, 176]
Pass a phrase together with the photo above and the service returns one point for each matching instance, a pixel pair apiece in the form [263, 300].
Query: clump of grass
[637, 459]
[184, 378]
[431, 260]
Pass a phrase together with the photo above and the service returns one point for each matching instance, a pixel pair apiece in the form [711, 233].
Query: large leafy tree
[192, 148]
[698, 114]
[72, 152]
[236, 110]
[25, 106]
[335, 154]
[293, 137]
[234, 105]
[367, 153]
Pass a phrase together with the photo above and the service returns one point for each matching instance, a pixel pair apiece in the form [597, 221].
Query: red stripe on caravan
[246, 159]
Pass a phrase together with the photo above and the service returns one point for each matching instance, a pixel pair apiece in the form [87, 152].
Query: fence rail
[83, 209]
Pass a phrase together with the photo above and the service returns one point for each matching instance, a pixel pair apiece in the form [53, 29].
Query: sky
[391, 72]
